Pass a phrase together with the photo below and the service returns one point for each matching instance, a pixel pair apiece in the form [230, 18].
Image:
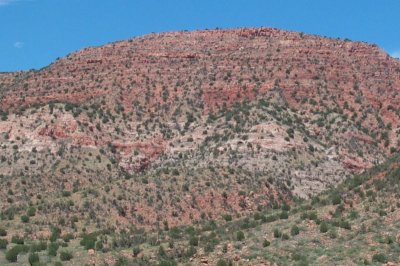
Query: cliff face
[192, 107]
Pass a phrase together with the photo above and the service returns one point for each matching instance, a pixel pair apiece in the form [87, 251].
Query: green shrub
[24, 218]
[31, 211]
[382, 213]
[313, 216]
[12, 254]
[17, 240]
[36, 247]
[191, 251]
[258, 216]
[99, 245]
[89, 241]
[294, 230]
[239, 236]
[336, 199]
[315, 200]
[122, 261]
[3, 243]
[332, 233]
[65, 256]
[309, 215]
[270, 218]
[33, 258]
[52, 249]
[353, 214]
[66, 193]
[55, 234]
[285, 207]
[225, 248]
[222, 262]
[68, 237]
[345, 224]
[3, 232]
[167, 263]
[284, 215]
[323, 227]
[135, 251]
[379, 257]
[277, 233]
[227, 217]
[161, 252]
[266, 243]
[194, 241]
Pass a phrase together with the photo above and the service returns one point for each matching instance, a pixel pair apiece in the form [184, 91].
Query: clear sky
[33, 33]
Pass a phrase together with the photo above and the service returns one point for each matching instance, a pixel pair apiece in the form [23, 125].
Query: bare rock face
[150, 150]
[183, 118]
[64, 128]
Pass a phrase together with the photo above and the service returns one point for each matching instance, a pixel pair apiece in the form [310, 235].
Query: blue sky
[33, 33]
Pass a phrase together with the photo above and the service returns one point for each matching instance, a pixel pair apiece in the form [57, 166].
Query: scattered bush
[24, 218]
[17, 240]
[285, 236]
[12, 254]
[100, 246]
[345, 224]
[33, 258]
[258, 216]
[285, 207]
[222, 262]
[3, 243]
[135, 251]
[309, 215]
[37, 247]
[191, 251]
[277, 233]
[65, 256]
[336, 199]
[166, 263]
[332, 233]
[284, 215]
[323, 227]
[52, 249]
[227, 217]
[295, 230]
[239, 236]
[55, 234]
[270, 219]
[379, 257]
[68, 237]
[225, 248]
[194, 241]
[3, 232]
[89, 241]
[121, 261]
[31, 211]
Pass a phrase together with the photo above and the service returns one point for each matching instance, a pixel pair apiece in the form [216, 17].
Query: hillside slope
[172, 128]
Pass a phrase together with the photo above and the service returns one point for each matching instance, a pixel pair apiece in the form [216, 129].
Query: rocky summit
[177, 129]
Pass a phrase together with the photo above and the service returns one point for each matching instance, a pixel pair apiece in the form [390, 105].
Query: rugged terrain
[180, 128]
